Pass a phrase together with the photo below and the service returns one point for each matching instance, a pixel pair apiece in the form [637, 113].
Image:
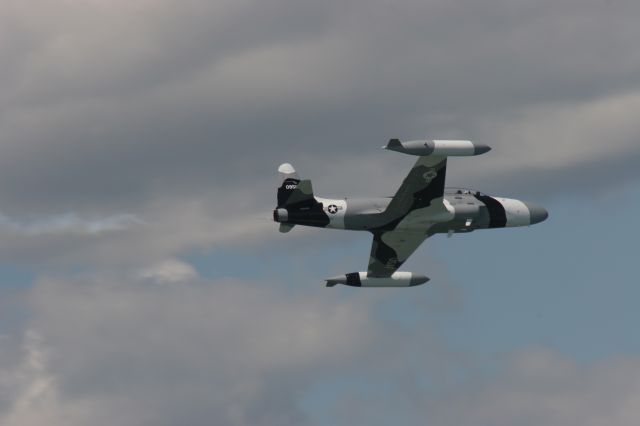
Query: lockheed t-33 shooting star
[421, 207]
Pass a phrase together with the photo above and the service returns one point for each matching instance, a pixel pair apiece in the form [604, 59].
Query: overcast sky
[142, 282]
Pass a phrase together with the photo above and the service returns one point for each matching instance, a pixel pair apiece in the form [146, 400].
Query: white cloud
[32, 393]
[531, 387]
[541, 387]
[68, 223]
[170, 271]
[557, 136]
[116, 348]
[165, 228]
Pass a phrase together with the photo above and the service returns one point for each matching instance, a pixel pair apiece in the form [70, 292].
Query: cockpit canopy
[463, 191]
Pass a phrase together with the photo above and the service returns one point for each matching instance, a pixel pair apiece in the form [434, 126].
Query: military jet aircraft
[421, 207]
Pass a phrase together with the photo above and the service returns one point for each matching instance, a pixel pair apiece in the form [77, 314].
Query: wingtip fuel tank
[442, 148]
[362, 279]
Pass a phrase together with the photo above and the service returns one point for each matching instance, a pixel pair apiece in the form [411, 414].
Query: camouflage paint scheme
[420, 208]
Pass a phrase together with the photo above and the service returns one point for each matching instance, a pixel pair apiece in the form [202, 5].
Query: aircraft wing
[391, 249]
[422, 188]
[424, 182]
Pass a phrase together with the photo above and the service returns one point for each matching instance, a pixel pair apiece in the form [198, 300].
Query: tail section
[296, 203]
[293, 192]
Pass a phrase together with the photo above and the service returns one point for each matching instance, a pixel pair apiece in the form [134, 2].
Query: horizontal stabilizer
[437, 148]
[286, 227]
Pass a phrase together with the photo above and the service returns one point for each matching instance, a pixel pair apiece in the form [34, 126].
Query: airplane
[421, 207]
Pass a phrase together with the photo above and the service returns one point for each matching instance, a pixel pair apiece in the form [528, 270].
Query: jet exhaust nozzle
[280, 215]
[362, 279]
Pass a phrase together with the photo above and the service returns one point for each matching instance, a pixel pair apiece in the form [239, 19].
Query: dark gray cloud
[160, 110]
[117, 103]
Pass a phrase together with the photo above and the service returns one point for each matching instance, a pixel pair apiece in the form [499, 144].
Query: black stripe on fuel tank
[353, 279]
[497, 215]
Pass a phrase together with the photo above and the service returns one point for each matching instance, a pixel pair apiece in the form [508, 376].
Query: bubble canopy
[463, 191]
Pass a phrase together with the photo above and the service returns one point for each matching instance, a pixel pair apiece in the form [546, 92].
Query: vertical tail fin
[293, 191]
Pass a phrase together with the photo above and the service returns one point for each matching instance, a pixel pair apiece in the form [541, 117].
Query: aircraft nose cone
[480, 148]
[538, 214]
[418, 280]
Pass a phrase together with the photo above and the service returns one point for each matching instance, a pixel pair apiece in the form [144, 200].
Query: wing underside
[422, 188]
[391, 249]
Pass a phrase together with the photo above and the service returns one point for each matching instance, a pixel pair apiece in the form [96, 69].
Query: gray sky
[143, 284]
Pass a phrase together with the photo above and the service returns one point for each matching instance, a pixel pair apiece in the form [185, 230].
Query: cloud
[532, 386]
[173, 111]
[118, 347]
[179, 113]
[540, 386]
[165, 228]
[69, 223]
[32, 396]
[170, 271]
[194, 111]
[115, 347]
[559, 149]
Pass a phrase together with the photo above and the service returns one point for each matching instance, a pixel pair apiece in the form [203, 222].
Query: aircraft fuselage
[459, 210]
